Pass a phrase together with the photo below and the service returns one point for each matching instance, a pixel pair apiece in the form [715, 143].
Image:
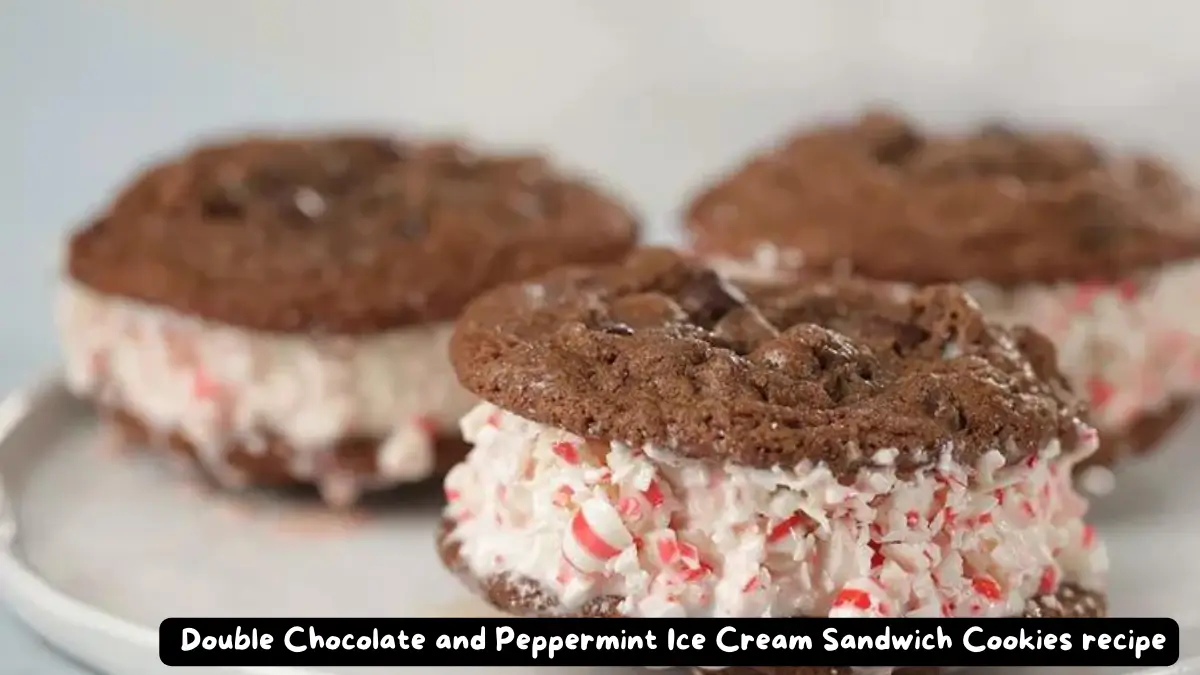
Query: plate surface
[99, 546]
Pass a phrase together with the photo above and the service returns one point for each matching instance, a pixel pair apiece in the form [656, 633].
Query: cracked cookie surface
[661, 350]
[340, 234]
[892, 201]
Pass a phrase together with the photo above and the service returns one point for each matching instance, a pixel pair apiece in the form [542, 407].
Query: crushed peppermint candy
[680, 537]
[1127, 345]
[221, 386]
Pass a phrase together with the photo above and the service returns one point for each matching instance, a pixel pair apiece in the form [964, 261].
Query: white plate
[96, 549]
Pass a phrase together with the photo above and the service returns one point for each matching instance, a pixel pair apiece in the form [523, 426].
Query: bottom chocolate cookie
[341, 472]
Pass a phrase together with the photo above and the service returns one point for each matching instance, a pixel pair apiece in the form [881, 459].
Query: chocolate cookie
[278, 307]
[1101, 252]
[339, 234]
[660, 350]
[656, 440]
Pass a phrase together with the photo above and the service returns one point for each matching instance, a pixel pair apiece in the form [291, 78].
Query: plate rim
[43, 608]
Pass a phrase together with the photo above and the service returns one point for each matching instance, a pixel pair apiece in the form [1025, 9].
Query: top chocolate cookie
[340, 234]
[892, 202]
[660, 350]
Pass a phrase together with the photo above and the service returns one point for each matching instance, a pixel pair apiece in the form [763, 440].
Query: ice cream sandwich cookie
[656, 441]
[1098, 251]
[279, 308]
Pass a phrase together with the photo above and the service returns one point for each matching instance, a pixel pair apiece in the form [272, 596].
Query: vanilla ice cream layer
[1133, 347]
[219, 385]
[678, 537]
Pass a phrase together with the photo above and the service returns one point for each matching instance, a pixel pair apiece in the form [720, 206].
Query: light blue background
[85, 95]
[83, 102]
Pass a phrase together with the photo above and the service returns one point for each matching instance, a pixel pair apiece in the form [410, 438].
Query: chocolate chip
[940, 405]
[838, 388]
[896, 151]
[891, 138]
[708, 297]
[221, 206]
[907, 338]
[833, 351]
[743, 329]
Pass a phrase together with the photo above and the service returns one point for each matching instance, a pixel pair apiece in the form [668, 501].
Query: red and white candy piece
[1049, 580]
[1128, 289]
[1087, 293]
[562, 496]
[757, 583]
[634, 507]
[783, 529]
[1087, 536]
[595, 536]
[567, 452]
[630, 508]
[987, 589]
[495, 418]
[680, 560]
[653, 494]
[204, 386]
[1100, 392]
[670, 552]
[860, 598]
[426, 424]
